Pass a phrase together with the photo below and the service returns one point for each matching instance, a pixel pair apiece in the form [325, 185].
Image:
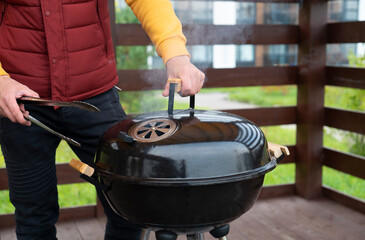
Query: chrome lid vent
[153, 130]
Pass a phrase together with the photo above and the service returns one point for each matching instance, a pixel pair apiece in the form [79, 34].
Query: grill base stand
[219, 233]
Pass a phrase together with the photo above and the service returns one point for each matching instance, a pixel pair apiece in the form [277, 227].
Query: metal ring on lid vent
[153, 130]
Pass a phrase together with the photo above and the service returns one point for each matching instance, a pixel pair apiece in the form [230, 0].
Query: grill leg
[195, 236]
[165, 235]
[220, 232]
[145, 234]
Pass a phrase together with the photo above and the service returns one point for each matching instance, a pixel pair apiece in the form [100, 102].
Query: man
[62, 50]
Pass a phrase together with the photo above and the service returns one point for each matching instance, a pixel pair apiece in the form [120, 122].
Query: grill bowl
[188, 172]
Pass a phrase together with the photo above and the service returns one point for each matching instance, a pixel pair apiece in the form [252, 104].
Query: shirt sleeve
[2, 71]
[159, 21]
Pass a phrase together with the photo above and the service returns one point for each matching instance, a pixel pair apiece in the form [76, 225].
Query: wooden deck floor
[279, 218]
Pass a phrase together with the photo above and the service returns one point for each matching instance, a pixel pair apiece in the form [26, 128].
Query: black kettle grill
[183, 171]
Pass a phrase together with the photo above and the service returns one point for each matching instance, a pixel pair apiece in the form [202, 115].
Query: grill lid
[200, 146]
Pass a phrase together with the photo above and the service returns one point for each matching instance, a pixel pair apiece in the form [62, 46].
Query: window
[283, 13]
[202, 56]
[245, 55]
[246, 13]
[194, 12]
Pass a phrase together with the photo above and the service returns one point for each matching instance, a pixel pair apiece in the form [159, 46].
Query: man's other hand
[10, 91]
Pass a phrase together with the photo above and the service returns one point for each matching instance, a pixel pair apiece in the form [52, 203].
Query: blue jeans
[30, 161]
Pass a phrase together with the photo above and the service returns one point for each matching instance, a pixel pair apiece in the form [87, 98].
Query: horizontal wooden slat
[3, 179]
[251, 76]
[277, 191]
[344, 162]
[351, 202]
[79, 212]
[346, 32]
[291, 157]
[65, 175]
[7, 220]
[268, 116]
[133, 34]
[66, 214]
[346, 77]
[133, 80]
[241, 34]
[345, 119]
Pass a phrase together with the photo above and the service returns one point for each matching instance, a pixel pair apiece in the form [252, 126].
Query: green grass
[5, 206]
[76, 194]
[282, 174]
[64, 153]
[69, 195]
[345, 98]
[266, 96]
[344, 182]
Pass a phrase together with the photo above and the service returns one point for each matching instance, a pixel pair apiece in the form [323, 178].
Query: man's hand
[10, 90]
[192, 79]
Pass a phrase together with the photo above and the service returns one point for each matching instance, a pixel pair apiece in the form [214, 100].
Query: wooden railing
[311, 75]
[345, 32]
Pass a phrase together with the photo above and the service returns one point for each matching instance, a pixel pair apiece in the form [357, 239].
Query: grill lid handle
[175, 86]
[83, 168]
[278, 151]
[125, 137]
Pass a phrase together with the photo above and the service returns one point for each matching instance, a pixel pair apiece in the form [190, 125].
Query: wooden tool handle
[82, 167]
[177, 81]
[277, 150]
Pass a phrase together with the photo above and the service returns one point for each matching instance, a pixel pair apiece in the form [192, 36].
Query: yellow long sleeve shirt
[162, 26]
[2, 71]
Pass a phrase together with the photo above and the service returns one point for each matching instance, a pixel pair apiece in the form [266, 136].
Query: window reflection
[343, 10]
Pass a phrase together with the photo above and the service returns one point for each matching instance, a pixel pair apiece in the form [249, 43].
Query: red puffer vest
[61, 49]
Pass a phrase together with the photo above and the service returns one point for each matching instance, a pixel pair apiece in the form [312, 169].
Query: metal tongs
[45, 102]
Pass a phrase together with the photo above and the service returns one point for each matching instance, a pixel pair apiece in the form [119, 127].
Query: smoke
[154, 78]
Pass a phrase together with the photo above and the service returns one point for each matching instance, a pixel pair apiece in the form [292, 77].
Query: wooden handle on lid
[177, 81]
[277, 150]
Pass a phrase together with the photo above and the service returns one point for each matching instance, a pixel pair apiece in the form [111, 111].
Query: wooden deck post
[310, 107]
